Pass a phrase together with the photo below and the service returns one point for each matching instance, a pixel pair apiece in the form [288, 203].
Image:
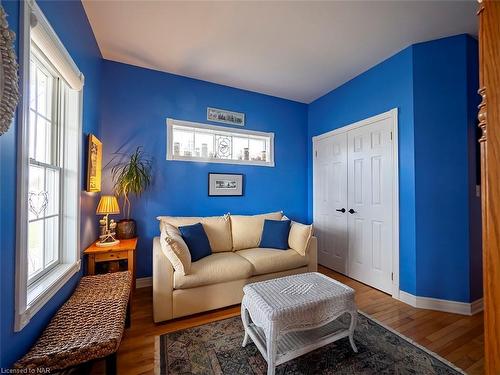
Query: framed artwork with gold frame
[94, 164]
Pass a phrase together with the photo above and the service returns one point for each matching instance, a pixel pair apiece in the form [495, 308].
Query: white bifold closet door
[353, 203]
[330, 183]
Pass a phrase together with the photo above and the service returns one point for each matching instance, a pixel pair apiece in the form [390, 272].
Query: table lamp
[108, 205]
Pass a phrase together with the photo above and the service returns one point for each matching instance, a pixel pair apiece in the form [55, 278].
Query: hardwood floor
[457, 338]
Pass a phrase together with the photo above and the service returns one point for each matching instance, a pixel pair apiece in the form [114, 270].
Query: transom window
[191, 141]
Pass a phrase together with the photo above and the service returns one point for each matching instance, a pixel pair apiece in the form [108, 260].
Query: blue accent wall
[443, 164]
[385, 86]
[475, 239]
[135, 105]
[434, 86]
[70, 22]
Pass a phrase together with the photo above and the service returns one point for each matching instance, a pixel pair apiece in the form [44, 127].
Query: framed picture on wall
[94, 164]
[226, 117]
[227, 185]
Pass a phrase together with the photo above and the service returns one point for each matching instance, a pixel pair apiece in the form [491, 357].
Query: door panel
[370, 194]
[330, 194]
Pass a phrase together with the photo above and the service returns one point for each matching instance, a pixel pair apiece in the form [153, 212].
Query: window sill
[43, 290]
[197, 159]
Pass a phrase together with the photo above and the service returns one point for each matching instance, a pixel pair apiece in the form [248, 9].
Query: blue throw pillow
[197, 241]
[275, 234]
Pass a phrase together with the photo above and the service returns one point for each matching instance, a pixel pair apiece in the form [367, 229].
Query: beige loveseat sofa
[217, 280]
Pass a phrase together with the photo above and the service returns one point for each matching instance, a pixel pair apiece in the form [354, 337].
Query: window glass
[44, 171]
[35, 247]
[240, 146]
[258, 149]
[214, 143]
[204, 145]
[52, 189]
[183, 142]
[51, 241]
[223, 146]
[36, 191]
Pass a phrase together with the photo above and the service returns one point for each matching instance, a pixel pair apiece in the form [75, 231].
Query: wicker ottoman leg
[271, 346]
[111, 364]
[352, 326]
[244, 318]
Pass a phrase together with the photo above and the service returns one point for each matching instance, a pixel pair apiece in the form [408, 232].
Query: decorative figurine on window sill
[108, 205]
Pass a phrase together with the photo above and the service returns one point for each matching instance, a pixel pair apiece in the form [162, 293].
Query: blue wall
[387, 85]
[433, 86]
[442, 167]
[135, 105]
[473, 100]
[70, 23]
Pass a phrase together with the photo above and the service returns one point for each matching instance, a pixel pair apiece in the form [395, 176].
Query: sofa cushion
[213, 269]
[247, 230]
[197, 241]
[275, 234]
[272, 260]
[175, 249]
[299, 237]
[217, 228]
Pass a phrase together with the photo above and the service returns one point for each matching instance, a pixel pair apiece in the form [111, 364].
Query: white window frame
[30, 298]
[45, 64]
[243, 132]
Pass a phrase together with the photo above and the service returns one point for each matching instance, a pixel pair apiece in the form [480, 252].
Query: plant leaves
[132, 175]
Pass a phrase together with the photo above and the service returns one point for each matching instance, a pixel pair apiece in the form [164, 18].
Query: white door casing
[331, 192]
[371, 183]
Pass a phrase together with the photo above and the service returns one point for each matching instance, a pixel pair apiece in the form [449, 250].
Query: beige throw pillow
[247, 230]
[175, 249]
[217, 228]
[299, 236]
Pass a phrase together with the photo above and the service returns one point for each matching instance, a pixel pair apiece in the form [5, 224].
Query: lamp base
[106, 244]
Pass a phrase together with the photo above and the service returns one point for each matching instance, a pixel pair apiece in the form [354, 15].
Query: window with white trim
[49, 159]
[44, 210]
[190, 141]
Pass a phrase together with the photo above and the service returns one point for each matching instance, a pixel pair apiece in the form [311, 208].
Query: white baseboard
[143, 282]
[454, 307]
[476, 306]
[408, 298]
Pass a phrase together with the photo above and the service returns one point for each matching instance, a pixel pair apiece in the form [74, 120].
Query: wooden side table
[124, 250]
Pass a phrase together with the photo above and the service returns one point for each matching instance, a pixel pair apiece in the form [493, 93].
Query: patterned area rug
[215, 348]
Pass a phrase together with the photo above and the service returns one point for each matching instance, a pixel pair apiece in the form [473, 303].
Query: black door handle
[351, 211]
[340, 210]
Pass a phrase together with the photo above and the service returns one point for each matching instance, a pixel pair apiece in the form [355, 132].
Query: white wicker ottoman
[289, 316]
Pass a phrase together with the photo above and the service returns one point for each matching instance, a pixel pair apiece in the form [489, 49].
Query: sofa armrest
[312, 252]
[163, 284]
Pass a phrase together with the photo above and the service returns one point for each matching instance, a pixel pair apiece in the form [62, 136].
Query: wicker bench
[88, 326]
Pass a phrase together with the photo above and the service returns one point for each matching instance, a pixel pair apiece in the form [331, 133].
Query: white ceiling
[296, 50]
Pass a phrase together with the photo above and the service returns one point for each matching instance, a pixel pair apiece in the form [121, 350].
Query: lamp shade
[108, 205]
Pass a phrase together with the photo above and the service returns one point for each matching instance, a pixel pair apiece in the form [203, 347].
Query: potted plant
[131, 175]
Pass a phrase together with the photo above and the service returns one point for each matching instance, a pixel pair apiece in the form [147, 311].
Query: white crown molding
[143, 282]
[454, 307]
